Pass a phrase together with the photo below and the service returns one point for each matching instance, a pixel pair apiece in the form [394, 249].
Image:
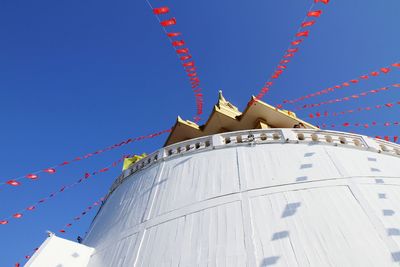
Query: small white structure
[58, 252]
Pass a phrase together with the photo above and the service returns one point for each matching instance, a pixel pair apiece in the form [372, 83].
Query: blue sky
[77, 76]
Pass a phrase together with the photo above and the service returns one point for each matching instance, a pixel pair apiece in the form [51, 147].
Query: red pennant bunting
[17, 215]
[322, 1]
[50, 170]
[315, 13]
[178, 43]
[31, 176]
[308, 23]
[302, 34]
[297, 42]
[3, 222]
[188, 64]
[13, 183]
[160, 10]
[173, 34]
[168, 22]
[329, 90]
[182, 51]
[186, 57]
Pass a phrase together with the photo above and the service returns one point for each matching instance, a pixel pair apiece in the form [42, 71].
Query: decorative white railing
[261, 136]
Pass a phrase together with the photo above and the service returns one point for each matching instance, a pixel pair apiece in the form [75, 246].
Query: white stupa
[247, 189]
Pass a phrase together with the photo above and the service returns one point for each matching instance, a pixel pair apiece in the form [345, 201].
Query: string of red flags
[33, 176]
[183, 53]
[302, 33]
[68, 225]
[21, 213]
[79, 216]
[394, 139]
[358, 124]
[368, 108]
[347, 84]
[351, 97]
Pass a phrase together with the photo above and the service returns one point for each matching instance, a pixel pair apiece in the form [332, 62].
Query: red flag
[374, 73]
[304, 34]
[315, 13]
[62, 231]
[308, 23]
[284, 61]
[296, 42]
[364, 77]
[292, 50]
[17, 264]
[188, 64]
[87, 175]
[288, 55]
[17, 215]
[395, 139]
[168, 22]
[31, 208]
[346, 124]
[182, 51]
[192, 74]
[178, 43]
[282, 67]
[385, 70]
[386, 138]
[3, 222]
[191, 69]
[186, 57]
[31, 176]
[389, 105]
[322, 1]
[173, 34]
[160, 10]
[396, 65]
[318, 114]
[50, 170]
[13, 183]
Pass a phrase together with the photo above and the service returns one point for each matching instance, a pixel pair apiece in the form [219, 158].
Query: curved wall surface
[274, 197]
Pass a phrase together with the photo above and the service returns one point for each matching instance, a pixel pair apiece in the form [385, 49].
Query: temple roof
[226, 117]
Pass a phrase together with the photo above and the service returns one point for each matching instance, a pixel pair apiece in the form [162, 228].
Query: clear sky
[77, 76]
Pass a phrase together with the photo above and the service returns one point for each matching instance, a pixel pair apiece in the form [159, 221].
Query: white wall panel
[124, 209]
[210, 237]
[197, 177]
[315, 227]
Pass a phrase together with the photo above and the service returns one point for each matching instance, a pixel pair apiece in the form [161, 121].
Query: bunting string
[345, 85]
[301, 34]
[21, 213]
[68, 225]
[358, 124]
[183, 54]
[351, 97]
[33, 176]
[326, 113]
[395, 139]
[79, 216]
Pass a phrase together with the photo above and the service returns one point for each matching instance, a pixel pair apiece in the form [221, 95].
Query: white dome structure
[279, 197]
[261, 197]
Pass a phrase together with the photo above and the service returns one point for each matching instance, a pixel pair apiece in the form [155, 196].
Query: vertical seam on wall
[246, 218]
[147, 214]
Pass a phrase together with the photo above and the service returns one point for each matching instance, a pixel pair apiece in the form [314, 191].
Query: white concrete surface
[303, 198]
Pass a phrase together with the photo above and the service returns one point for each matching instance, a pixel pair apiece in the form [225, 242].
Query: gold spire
[226, 117]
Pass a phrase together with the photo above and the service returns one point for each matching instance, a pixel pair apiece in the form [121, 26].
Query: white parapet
[59, 252]
[273, 197]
